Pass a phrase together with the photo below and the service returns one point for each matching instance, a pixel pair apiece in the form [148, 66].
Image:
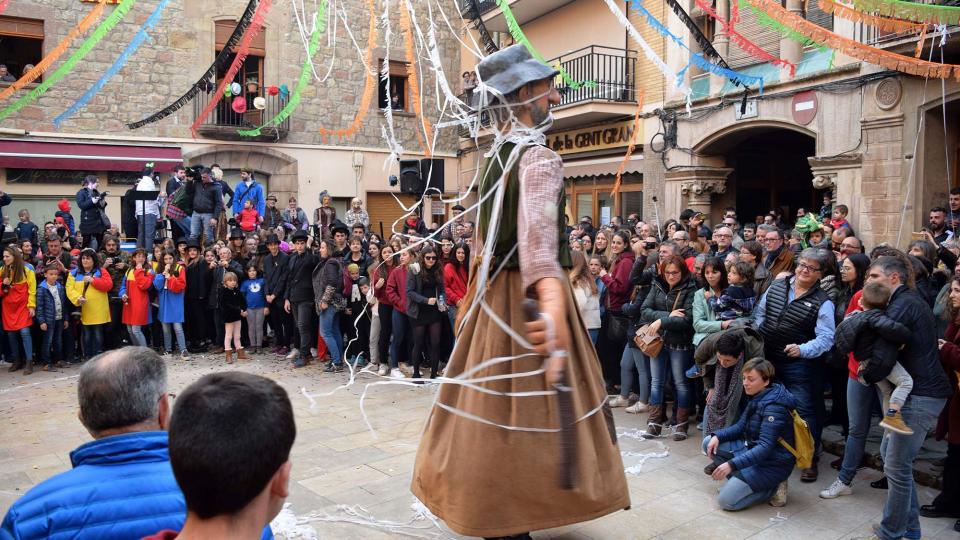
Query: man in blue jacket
[249, 189]
[121, 485]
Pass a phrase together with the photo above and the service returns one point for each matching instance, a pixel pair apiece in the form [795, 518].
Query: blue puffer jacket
[120, 487]
[767, 418]
[46, 308]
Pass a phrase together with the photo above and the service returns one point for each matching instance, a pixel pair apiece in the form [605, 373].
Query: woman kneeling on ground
[748, 454]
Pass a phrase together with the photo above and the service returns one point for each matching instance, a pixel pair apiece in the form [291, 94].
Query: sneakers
[384, 370]
[894, 422]
[836, 489]
[909, 535]
[779, 498]
[293, 354]
[184, 355]
[637, 408]
[299, 363]
[333, 368]
[397, 374]
[708, 470]
[618, 401]
[313, 352]
[694, 372]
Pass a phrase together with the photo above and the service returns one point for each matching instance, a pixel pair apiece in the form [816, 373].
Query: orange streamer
[854, 49]
[369, 86]
[412, 78]
[883, 23]
[633, 142]
[56, 52]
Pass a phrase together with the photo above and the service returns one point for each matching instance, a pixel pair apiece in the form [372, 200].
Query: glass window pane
[632, 203]
[585, 206]
[606, 206]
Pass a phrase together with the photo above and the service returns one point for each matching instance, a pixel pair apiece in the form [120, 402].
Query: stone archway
[281, 168]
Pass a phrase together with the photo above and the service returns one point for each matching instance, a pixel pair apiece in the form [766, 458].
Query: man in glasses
[778, 260]
[723, 237]
[795, 318]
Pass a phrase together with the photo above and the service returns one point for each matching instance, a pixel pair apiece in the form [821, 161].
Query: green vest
[507, 232]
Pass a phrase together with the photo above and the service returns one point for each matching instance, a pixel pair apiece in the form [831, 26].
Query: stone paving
[337, 461]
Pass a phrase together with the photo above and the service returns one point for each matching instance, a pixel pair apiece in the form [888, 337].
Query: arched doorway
[770, 170]
[276, 170]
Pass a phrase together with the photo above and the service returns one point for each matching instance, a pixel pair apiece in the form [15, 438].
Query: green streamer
[320, 26]
[520, 37]
[833, 58]
[71, 62]
[773, 24]
[911, 11]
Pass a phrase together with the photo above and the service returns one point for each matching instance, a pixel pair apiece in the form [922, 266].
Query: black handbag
[617, 327]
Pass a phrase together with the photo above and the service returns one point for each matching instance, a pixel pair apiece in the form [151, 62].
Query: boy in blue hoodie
[51, 313]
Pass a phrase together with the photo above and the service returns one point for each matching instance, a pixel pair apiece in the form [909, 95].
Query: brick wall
[649, 78]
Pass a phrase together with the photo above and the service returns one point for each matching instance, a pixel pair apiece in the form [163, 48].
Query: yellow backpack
[805, 449]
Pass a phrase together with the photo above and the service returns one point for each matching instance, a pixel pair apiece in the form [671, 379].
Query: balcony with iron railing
[223, 122]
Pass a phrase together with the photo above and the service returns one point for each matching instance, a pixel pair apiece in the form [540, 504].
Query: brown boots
[242, 354]
[229, 356]
[683, 421]
[655, 422]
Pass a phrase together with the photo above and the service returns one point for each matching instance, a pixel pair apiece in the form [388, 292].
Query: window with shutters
[818, 16]
[250, 76]
[749, 27]
[707, 27]
[21, 46]
[395, 89]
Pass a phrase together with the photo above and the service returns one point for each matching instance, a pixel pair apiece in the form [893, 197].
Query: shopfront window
[592, 197]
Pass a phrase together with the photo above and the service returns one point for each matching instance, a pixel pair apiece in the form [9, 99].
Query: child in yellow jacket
[87, 288]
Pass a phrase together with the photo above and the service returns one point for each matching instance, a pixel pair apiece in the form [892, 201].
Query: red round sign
[804, 107]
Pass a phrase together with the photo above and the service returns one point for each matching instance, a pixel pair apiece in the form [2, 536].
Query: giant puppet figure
[521, 439]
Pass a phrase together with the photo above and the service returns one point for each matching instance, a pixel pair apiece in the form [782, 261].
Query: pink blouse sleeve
[541, 179]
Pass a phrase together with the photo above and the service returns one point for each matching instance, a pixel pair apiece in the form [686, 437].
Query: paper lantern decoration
[259, 103]
[273, 90]
[236, 89]
[239, 105]
[227, 92]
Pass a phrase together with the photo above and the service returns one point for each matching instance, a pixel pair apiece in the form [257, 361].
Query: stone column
[721, 41]
[791, 50]
[698, 185]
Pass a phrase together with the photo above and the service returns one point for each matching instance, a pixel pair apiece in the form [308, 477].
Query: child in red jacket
[134, 291]
[249, 217]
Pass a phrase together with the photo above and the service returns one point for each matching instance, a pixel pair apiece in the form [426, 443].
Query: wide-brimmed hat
[339, 226]
[272, 239]
[235, 233]
[509, 69]
[193, 243]
[299, 235]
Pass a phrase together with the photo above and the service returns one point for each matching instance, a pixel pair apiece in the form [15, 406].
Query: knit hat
[64, 205]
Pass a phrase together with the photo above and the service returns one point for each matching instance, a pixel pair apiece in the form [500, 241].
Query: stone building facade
[294, 160]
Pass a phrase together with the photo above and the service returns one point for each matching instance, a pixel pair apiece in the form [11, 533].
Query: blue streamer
[117, 65]
[696, 58]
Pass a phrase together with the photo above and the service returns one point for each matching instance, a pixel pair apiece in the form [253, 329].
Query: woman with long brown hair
[586, 292]
[19, 293]
[614, 325]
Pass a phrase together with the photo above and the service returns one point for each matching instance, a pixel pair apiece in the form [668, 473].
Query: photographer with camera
[93, 216]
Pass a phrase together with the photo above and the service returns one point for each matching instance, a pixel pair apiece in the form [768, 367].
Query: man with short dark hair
[276, 267]
[207, 205]
[930, 389]
[298, 298]
[938, 225]
[230, 441]
[954, 205]
[121, 484]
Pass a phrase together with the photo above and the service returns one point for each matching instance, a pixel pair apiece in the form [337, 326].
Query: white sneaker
[292, 355]
[313, 352]
[384, 370]
[618, 401]
[836, 489]
[397, 374]
[637, 408]
[779, 498]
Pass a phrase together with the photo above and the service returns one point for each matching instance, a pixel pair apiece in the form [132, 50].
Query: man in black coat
[298, 297]
[276, 268]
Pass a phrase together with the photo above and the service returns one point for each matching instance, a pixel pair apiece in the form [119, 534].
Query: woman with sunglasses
[426, 304]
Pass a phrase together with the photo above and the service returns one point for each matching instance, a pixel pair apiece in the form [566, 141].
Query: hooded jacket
[46, 307]
[765, 463]
[873, 338]
[119, 487]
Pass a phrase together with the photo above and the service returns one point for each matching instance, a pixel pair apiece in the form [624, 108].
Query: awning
[17, 154]
[602, 166]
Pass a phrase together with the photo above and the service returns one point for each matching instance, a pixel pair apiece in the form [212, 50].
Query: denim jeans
[52, 339]
[92, 340]
[631, 358]
[185, 224]
[802, 378]
[902, 510]
[177, 328]
[401, 336]
[677, 362]
[136, 335]
[201, 222]
[859, 410]
[594, 334]
[735, 494]
[148, 224]
[330, 331]
[14, 340]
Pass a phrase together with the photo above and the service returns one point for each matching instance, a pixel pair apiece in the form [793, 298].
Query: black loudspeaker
[431, 171]
[410, 179]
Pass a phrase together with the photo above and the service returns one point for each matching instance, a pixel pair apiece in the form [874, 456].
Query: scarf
[727, 390]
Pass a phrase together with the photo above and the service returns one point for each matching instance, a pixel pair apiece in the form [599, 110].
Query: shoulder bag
[651, 344]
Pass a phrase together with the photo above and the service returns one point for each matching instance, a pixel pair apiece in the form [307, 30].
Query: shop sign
[437, 207]
[592, 138]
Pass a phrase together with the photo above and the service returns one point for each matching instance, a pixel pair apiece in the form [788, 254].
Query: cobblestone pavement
[337, 461]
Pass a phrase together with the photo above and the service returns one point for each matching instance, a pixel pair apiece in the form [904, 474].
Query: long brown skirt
[485, 480]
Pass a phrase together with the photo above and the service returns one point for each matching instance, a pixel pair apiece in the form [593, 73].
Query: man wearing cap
[503, 463]
[298, 297]
[272, 218]
[207, 202]
[276, 266]
[248, 189]
[356, 214]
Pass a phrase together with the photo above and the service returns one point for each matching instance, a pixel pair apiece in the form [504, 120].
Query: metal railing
[611, 71]
[482, 6]
[224, 120]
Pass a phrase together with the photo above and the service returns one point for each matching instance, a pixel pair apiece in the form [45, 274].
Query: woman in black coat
[92, 204]
[426, 302]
